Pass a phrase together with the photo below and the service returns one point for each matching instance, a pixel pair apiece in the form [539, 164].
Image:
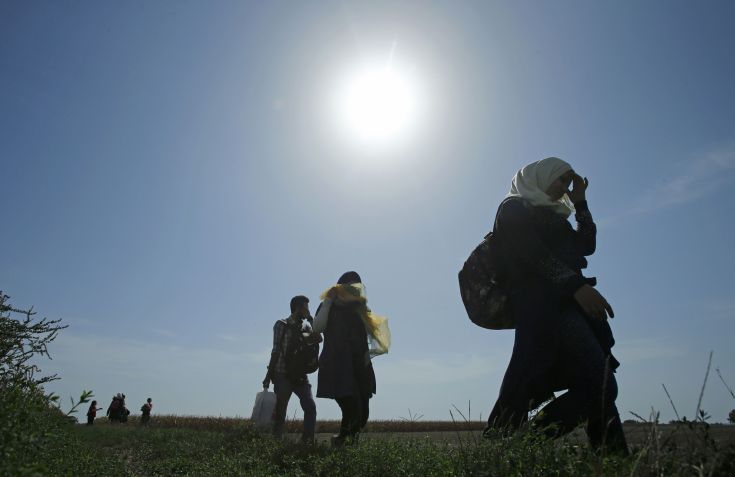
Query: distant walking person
[92, 413]
[124, 411]
[146, 409]
[288, 369]
[117, 411]
[562, 336]
[345, 368]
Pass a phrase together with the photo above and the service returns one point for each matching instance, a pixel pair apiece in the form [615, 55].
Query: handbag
[265, 405]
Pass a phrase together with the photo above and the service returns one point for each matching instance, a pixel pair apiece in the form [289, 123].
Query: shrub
[25, 415]
[35, 436]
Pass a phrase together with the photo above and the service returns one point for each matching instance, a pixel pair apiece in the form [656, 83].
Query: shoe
[338, 440]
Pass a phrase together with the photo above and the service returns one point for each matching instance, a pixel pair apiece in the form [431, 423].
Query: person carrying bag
[293, 356]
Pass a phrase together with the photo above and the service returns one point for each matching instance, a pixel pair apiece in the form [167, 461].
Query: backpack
[480, 283]
[301, 357]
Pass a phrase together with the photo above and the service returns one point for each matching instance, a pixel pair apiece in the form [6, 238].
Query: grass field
[185, 445]
[37, 438]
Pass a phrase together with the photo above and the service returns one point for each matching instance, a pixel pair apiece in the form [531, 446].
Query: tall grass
[191, 445]
[220, 446]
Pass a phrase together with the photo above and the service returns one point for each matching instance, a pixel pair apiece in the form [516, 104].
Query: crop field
[188, 445]
[324, 426]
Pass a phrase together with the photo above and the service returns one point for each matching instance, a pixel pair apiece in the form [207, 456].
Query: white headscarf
[532, 181]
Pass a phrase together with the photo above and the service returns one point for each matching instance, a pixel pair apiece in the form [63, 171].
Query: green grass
[221, 447]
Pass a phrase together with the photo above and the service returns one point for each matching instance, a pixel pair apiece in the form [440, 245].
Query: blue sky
[172, 176]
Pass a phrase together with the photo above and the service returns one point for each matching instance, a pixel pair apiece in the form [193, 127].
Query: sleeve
[276, 350]
[586, 235]
[322, 316]
[519, 236]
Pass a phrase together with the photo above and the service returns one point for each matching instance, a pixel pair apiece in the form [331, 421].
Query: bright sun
[377, 104]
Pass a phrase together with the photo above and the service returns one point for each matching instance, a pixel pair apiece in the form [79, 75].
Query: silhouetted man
[288, 333]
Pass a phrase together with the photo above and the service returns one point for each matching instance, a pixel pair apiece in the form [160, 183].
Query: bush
[35, 436]
[26, 418]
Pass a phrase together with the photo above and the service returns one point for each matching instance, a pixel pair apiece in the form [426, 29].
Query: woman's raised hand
[579, 189]
[593, 303]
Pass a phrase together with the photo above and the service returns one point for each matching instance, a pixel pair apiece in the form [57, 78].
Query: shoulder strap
[283, 327]
[503, 202]
[286, 325]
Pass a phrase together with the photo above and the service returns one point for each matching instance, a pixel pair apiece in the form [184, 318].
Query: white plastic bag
[265, 404]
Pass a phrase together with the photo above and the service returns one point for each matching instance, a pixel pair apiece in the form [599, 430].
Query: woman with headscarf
[353, 334]
[562, 337]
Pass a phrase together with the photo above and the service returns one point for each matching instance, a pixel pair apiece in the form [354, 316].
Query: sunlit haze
[377, 104]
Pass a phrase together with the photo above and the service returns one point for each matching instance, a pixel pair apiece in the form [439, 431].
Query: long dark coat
[344, 364]
[545, 257]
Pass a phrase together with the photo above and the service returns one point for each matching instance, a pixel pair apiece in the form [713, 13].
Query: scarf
[531, 183]
[375, 325]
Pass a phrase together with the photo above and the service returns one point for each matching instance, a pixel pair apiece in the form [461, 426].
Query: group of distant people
[117, 411]
[563, 340]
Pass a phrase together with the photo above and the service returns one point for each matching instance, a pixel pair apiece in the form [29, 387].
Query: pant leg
[527, 364]
[283, 390]
[561, 416]
[608, 434]
[351, 414]
[507, 414]
[592, 385]
[303, 391]
[364, 411]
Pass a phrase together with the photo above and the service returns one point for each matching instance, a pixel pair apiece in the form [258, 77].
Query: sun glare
[378, 104]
